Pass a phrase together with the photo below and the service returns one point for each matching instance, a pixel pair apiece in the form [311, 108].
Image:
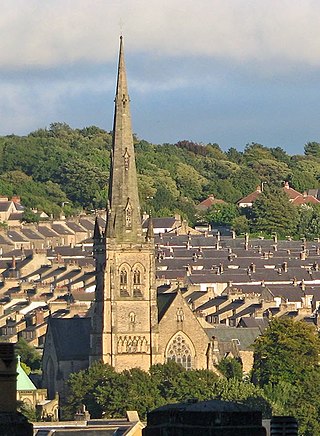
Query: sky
[230, 72]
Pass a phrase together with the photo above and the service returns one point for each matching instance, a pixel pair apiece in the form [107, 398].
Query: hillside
[61, 166]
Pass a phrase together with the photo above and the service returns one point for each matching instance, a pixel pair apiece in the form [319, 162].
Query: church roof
[71, 337]
[23, 381]
[164, 302]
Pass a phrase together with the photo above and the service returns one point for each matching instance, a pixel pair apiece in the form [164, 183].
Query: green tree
[231, 368]
[29, 355]
[287, 351]
[272, 212]
[222, 214]
[312, 149]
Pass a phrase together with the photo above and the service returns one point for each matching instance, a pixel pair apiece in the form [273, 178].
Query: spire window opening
[128, 217]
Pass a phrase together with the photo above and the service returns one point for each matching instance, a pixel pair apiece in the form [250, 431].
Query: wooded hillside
[64, 167]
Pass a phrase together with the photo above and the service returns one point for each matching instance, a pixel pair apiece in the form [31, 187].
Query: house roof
[47, 232]
[159, 223]
[76, 227]
[76, 337]
[31, 234]
[4, 205]
[304, 199]
[16, 236]
[62, 230]
[245, 336]
[208, 202]
[251, 197]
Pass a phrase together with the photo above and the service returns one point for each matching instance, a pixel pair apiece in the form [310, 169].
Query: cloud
[50, 33]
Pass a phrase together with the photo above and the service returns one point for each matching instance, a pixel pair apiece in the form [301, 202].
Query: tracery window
[179, 351]
[123, 277]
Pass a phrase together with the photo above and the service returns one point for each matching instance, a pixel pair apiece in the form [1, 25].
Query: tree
[29, 216]
[312, 149]
[230, 368]
[287, 351]
[222, 214]
[272, 212]
[28, 354]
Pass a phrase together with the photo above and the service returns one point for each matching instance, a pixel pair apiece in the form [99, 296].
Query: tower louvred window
[136, 277]
[123, 277]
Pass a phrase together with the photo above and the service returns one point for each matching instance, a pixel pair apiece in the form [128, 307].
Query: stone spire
[124, 220]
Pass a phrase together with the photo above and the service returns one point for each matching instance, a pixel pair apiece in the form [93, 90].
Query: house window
[179, 351]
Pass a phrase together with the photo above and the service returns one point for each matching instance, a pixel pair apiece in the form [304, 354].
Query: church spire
[124, 220]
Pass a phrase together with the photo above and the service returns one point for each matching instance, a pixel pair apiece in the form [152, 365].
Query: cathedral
[131, 325]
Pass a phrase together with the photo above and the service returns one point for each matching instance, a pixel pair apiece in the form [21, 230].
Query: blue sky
[225, 71]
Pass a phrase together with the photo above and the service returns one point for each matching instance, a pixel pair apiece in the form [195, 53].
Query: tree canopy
[61, 168]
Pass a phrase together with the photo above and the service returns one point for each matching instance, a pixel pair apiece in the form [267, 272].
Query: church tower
[125, 319]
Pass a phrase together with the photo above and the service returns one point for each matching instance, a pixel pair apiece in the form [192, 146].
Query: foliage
[312, 149]
[58, 166]
[272, 212]
[286, 366]
[222, 214]
[285, 352]
[28, 411]
[230, 368]
[29, 355]
[29, 216]
[107, 392]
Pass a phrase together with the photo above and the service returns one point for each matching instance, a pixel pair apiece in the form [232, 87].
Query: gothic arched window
[136, 277]
[179, 351]
[123, 277]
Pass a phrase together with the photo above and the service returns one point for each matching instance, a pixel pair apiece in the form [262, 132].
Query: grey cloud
[56, 32]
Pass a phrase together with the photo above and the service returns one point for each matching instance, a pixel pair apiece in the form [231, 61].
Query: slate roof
[4, 205]
[75, 226]
[246, 336]
[31, 234]
[164, 302]
[159, 223]
[62, 230]
[76, 337]
[87, 224]
[15, 216]
[47, 232]
[16, 236]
